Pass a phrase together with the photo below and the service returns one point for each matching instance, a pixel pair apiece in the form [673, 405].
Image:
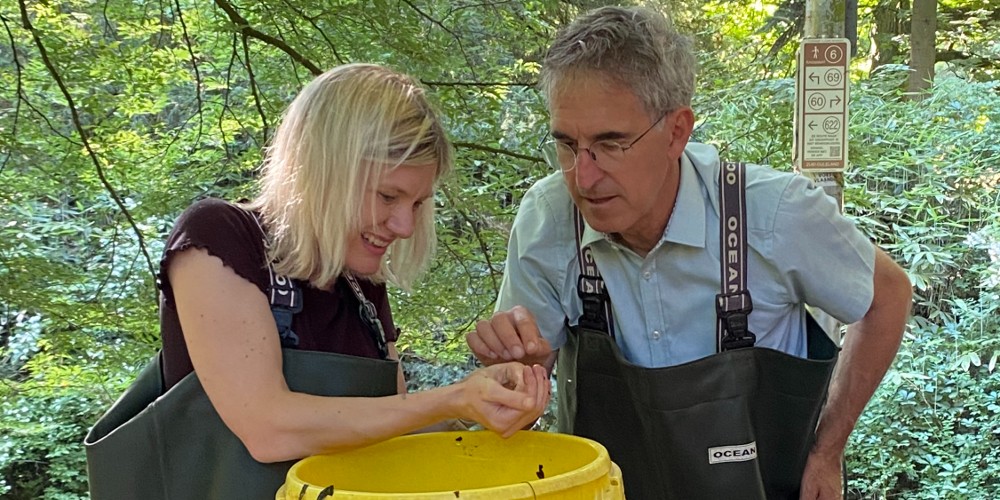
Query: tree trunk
[885, 49]
[922, 46]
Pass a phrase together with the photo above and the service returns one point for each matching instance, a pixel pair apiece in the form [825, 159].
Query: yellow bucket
[448, 465]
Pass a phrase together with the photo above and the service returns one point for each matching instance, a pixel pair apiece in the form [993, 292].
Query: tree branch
[478, 84]
[479, 147]
[225, 98]
[254, 89]
[483, 247]
[83, 134]
[312, 21]
[194, 65]
[20, 90]
[454, 35]
[22, 97]
[250, 31]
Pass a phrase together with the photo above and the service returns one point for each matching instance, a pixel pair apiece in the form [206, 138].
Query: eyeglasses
[607, 154]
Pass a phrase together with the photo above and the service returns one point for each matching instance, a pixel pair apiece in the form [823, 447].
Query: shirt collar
[687, 221]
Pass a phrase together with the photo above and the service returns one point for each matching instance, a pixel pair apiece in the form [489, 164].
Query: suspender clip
[593, 313]
[595, 298]
[733, 310]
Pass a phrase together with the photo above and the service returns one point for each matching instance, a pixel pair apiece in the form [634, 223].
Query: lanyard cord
[369, 316]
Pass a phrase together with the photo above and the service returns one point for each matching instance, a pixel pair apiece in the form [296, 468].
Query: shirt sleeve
[224, 231]
[829, 263]
[536, 268]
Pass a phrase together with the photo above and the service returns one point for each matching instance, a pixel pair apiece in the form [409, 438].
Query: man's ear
[681, 125]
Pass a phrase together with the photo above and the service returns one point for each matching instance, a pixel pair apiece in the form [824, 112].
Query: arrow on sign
[835, 101]
[813, 78]
[812, 125]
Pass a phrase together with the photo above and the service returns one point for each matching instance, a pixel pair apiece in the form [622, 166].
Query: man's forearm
[869, 349]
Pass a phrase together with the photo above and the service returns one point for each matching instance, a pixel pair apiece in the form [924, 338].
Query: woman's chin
[363, 270]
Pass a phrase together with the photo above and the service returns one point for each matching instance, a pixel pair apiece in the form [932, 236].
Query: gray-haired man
[683, 342]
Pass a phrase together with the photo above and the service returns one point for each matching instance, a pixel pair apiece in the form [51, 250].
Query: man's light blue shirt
[801, 251]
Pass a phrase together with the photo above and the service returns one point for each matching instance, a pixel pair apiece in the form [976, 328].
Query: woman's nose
[401, 222]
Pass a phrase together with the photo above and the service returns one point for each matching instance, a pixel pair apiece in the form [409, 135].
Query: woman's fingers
[509, 396]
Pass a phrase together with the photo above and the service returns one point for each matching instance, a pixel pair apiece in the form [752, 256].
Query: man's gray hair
[632, 46]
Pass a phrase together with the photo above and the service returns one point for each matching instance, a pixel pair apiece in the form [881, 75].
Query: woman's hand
[505, 397]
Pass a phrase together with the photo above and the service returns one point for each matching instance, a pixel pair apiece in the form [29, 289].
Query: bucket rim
[600, 466]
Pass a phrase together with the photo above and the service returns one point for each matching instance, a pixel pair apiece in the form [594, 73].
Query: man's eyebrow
[603, 136]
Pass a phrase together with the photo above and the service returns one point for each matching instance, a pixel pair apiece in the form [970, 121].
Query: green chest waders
[735, 425]
[173, 445]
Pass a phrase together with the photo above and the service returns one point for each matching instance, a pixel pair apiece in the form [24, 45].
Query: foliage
[927, 184]
[932, 429]
[47, 413]
[115, 115]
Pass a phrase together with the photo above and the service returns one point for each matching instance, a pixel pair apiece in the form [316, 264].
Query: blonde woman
[345, 206]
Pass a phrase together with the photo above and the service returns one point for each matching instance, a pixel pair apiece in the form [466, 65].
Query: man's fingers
[527, 328]
[506, 330]
[479, 346]
[509, 336]
[486, 334]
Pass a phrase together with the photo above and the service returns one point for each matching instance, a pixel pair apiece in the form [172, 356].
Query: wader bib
[173, 445]
[738, 424]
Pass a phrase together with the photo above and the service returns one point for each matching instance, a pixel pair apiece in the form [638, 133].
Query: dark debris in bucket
[327, 492]
[457, 494]
[540, 473]
[458, 439]
[302, 492]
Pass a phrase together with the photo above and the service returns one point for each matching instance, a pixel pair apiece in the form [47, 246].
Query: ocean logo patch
[735, 453]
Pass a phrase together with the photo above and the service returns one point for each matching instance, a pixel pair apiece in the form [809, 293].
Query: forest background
[117, 114]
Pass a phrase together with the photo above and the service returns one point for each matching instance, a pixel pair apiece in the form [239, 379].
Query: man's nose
[587, 171]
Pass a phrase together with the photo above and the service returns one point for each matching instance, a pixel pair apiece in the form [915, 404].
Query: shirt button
[656, 335]
[647, 275]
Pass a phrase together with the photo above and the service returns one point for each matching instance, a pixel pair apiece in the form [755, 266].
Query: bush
[48, 409]
[926, 184]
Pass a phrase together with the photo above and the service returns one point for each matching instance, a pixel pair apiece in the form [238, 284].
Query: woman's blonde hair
[336, 140]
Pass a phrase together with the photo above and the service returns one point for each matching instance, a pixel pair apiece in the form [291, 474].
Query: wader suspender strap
[283, 294]
[286, 301]
[590, 287]
[733, 305]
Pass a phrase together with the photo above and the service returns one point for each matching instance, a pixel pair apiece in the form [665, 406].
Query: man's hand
[510, 336]
[823, 478]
